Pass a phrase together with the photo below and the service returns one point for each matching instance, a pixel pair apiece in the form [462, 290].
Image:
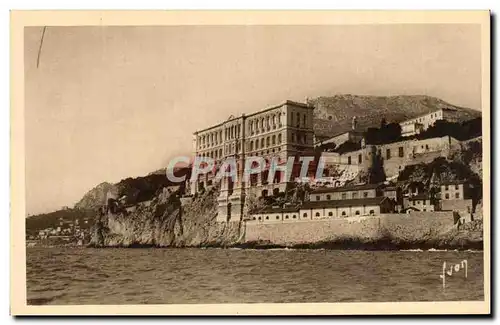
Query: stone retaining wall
[412, 227]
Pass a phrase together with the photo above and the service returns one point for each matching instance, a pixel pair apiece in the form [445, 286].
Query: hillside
[52, 219]
[95, 197]
[333, 115]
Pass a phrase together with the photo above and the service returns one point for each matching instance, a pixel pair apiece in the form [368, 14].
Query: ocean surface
[62, 276]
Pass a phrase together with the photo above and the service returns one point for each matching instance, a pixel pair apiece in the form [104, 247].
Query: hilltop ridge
[333, 114]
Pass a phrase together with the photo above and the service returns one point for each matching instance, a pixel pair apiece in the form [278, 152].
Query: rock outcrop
[165, 222]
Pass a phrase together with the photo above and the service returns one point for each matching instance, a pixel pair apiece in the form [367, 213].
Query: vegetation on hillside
[51, 220]
[459, 130]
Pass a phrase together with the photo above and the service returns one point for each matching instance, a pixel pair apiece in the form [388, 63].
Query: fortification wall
[400, 227]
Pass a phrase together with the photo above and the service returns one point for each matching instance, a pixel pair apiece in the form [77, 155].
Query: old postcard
[250, 163]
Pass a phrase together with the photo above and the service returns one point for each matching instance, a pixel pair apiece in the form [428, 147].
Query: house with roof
[362, 191]
[275, 214]
[421, 202]
[346, 208]
[457, 196]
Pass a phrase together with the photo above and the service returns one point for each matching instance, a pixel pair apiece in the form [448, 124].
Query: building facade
[421, 123]
[346, 193]
[456, 196]
[281, 131]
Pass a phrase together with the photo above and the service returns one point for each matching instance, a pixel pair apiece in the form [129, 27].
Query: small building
[363, 191]
[456, 196]
[338, 139]
[393, 192]
[411, 128]
[346, 208]
[275, 214]
[423, 122]
[421, 202]
[455, 190]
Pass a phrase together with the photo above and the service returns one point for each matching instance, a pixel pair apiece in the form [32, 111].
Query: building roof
[343, 203]
[357, 132]
[346, 188]
[231, 118]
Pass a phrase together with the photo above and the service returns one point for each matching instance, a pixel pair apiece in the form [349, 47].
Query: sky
[107, 103]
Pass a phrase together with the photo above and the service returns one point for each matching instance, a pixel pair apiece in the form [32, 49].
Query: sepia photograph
[250, 162]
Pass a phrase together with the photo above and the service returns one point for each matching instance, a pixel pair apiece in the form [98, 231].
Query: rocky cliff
[165, 222]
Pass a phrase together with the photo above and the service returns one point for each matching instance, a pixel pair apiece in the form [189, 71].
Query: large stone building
[281, 131]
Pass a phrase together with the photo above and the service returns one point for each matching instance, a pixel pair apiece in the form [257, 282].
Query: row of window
[354, 195]
[267, 123]
[446, 187]
[264, 124]
[447, 196]
[264, 142]
[215, 138]
[305, 215]
[422, 119]
[360, 159]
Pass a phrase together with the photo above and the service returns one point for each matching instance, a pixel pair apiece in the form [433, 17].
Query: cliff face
[164, 222]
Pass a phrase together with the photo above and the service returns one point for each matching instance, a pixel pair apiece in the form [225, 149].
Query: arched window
[267, 217]
[251, 145]
[253, 218]
[357, 212]
[317, 214]
[330, 214]
[268, 141]
[372, 212]
[256, 144]
[220, 152]
[304, 121]
[279, 138]
[298, 119]
[286, 217]
[343, 213]
[262, 143]
[274, 140]
[277, 217]
[328, 197]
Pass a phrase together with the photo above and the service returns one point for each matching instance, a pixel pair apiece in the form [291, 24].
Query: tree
[376, 173]
[387, 133]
